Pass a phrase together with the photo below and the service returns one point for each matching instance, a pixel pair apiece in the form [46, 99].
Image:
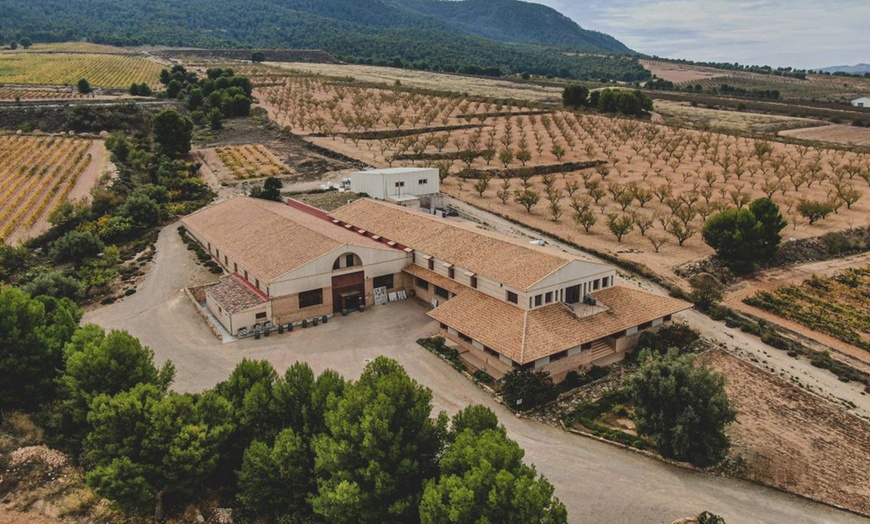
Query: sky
[798, 33]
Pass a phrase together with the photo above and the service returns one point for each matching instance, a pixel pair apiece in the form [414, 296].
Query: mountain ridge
[506, 36]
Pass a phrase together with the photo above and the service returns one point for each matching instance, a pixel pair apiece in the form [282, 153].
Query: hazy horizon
[801, 33]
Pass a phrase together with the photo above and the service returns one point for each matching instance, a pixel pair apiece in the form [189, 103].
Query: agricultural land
[665, 180]
[838, 306]
[513, 160]
[55, 69]
[37, 173]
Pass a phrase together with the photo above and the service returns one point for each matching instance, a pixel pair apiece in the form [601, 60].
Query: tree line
[297, 445]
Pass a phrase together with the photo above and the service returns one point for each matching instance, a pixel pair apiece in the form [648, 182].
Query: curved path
[597, 482]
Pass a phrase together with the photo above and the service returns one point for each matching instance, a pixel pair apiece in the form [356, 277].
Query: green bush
[76, 246]
[524, 389]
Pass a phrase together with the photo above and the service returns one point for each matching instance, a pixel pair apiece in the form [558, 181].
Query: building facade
[402, 185]
[503, 303]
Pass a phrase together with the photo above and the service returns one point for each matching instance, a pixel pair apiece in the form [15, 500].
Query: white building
[861, 102]
[401, 185]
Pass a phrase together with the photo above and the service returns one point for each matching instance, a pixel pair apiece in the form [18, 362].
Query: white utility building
[861, 102]
[401, 185]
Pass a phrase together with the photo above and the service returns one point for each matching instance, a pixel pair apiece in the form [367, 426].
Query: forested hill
[471, 36]
[515, 21]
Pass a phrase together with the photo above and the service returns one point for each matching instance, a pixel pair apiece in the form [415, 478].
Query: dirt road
[597, 482]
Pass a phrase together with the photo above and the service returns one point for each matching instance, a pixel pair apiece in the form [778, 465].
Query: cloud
[799, 33]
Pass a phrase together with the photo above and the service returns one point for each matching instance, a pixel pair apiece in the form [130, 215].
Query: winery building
[503, 303]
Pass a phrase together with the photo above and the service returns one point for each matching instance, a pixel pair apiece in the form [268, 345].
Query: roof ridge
[525, 332]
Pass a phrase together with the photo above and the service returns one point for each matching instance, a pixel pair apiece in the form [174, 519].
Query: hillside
[419, 33]
[515, 21]
[855, 69]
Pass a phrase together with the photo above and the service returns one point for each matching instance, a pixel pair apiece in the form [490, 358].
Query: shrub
[76, 246]
[524, 389]
[679, 336]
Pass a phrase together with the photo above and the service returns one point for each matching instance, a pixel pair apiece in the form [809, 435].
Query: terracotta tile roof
[270, 239]
[234, 296]
[434, 278]
[525, 336]
[495, 256]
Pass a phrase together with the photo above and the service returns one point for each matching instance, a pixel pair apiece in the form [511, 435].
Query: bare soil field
[836, 133]
[795, 440]
[679, 73]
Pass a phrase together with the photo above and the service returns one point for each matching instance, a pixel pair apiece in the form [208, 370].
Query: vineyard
[39, 93]
[37, 174]
[106, 71]
[647, 199]
[838, 306]
[250, 161]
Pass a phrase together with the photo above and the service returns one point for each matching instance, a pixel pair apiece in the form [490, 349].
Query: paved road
[597, 482]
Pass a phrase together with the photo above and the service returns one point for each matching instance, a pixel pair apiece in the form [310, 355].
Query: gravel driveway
[596, 481]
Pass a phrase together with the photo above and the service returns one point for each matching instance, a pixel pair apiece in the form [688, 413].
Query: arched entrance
[348, 289]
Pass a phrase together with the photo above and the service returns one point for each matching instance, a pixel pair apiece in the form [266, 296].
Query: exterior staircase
[600, 349]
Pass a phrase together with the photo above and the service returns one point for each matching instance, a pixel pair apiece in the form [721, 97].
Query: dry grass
[683, 114]
[77, 47]
[433, 81]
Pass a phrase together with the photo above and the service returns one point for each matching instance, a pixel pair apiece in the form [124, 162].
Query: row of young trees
[275, 447]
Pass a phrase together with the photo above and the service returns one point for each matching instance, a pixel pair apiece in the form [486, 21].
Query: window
[422, 284]
[431, 264]
[226, 261]
[310, 298]
[441, 292]
[400, 184]
[261, 315]
[423, 181]
[451, 272]
[383, 281]
[474, 282]
[596, 284]
[258, 283]
[538, 300]
[465, 338]
[548, 297]
[246, 275]
[345, 261]
[512, 297]
[235, 267]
